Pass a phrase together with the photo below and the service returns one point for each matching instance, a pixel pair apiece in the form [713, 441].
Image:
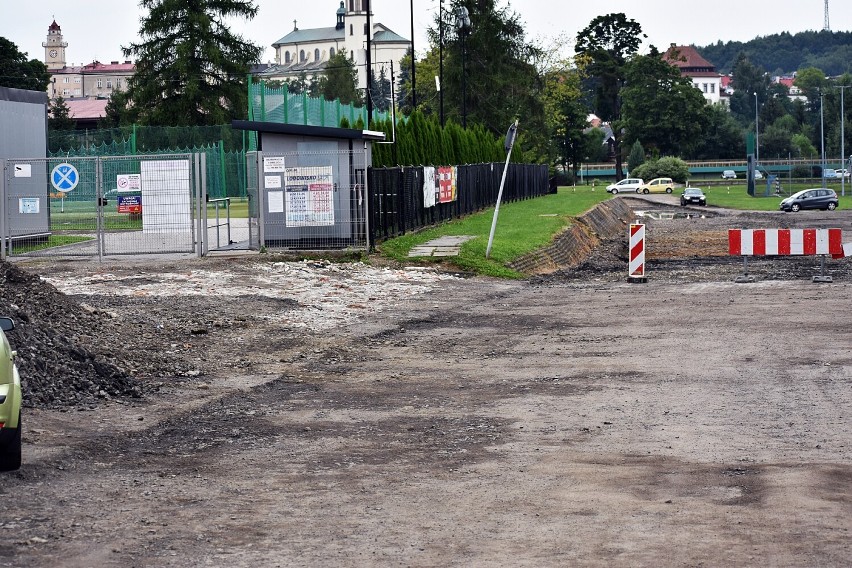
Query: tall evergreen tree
[59, 115]
[340, 80]
[494, 63]
[190, 69]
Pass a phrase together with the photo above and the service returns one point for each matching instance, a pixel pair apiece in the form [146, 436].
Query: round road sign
[64, 177]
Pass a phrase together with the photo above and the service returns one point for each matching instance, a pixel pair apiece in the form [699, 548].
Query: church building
[306, 51]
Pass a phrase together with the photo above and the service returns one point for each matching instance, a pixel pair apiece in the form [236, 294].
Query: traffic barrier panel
[785, 242]
[636, 264]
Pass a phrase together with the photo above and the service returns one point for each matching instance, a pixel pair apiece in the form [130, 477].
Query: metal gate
[309, 200]
[116, 205]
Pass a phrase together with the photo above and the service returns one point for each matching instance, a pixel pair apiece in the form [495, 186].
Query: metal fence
[398, 202]
[96, 206]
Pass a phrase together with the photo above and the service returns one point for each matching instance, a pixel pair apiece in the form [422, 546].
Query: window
[66, 92]
[705, 87]
[316, 55]
[287, 57]
[76, 79]
[365, 29]
[302, 55]
[100, 83]
[109, 83]
[352, 55]
[712, 87]
[65, 79]
[331, 52]
[350, 29]
[77, 92]
[118, 83]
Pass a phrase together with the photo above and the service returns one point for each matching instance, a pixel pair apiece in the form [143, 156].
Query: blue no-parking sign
[64, 177]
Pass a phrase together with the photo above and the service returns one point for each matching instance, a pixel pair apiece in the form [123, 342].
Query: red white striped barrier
[785, 242]
[636, 265]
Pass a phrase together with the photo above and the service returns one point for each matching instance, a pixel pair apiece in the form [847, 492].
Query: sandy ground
[435, 420]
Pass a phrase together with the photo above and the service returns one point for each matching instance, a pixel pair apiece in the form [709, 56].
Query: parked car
[817, 198]
[627, 184]
[729, 174]
[10, 402]
[843, 172]
[829, 173]
[657, 185]
[693, 195]
[758, 174]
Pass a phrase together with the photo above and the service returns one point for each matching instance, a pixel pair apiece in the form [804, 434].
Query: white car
[843, 172]
[627, 184]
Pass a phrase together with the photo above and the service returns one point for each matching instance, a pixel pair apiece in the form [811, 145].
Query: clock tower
[54, 48]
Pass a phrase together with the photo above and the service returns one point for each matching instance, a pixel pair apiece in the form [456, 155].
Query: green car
[10, 403]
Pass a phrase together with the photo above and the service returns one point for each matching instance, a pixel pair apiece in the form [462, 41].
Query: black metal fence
[397, 197]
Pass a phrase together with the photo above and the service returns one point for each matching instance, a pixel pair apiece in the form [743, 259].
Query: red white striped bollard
[636, 266]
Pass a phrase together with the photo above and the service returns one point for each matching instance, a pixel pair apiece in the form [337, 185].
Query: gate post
[3, 235]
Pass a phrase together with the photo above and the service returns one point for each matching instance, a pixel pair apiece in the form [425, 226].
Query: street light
[842, 140]
[756, 133]
[463, 27]
[821, 139]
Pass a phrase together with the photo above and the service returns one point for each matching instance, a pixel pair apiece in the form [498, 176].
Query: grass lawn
[522, 227]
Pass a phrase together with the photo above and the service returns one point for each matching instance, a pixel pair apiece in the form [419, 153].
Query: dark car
[693, 195]
[817, 198]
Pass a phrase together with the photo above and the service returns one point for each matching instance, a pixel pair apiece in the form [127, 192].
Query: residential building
[306, 51]
[702, 73]
[95, 79]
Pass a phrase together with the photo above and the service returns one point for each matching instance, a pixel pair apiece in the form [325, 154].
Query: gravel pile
[57, 364]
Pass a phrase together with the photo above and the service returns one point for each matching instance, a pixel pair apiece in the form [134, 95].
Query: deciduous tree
[19, 73]
[608, 42]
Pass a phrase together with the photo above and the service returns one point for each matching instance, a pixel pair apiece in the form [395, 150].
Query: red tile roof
[687, 58]
[79, 109]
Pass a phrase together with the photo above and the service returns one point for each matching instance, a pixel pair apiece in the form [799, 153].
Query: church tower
[355, 30]
[54, 48]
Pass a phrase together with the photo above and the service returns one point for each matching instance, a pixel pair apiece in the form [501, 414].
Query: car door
[811, 199]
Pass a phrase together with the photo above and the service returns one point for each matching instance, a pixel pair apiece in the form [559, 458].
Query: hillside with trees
[784, 53]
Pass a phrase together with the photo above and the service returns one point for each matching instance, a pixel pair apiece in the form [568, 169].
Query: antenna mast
[826, 27]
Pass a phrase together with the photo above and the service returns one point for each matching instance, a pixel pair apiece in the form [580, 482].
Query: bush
[801, 171]
[674, 168]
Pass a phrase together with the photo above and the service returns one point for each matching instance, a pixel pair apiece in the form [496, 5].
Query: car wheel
[682, 203]
[668, 190]
[645, 191]
[832, 206]
[10, 456]
[794, 207]
[614, 191]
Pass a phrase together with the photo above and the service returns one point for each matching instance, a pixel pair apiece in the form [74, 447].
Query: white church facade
[306, 51]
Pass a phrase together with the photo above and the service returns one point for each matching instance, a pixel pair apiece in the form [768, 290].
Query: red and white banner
[785, 242]
[636, 266]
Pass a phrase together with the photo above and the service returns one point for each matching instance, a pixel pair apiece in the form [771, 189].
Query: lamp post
[441, 59]
[463, 26]
[842, 142]
[756, 132]
[413, 59]
[821, 139]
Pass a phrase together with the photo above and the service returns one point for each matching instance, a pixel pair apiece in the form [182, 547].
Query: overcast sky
[96, 29]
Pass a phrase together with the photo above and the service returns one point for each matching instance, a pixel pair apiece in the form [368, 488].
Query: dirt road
[570, 420]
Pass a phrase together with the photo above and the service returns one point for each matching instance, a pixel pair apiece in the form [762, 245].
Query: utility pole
[369, 66]
[413, 76]
[441, 59]
[821, 139]
[756, 133]
[842, 142]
